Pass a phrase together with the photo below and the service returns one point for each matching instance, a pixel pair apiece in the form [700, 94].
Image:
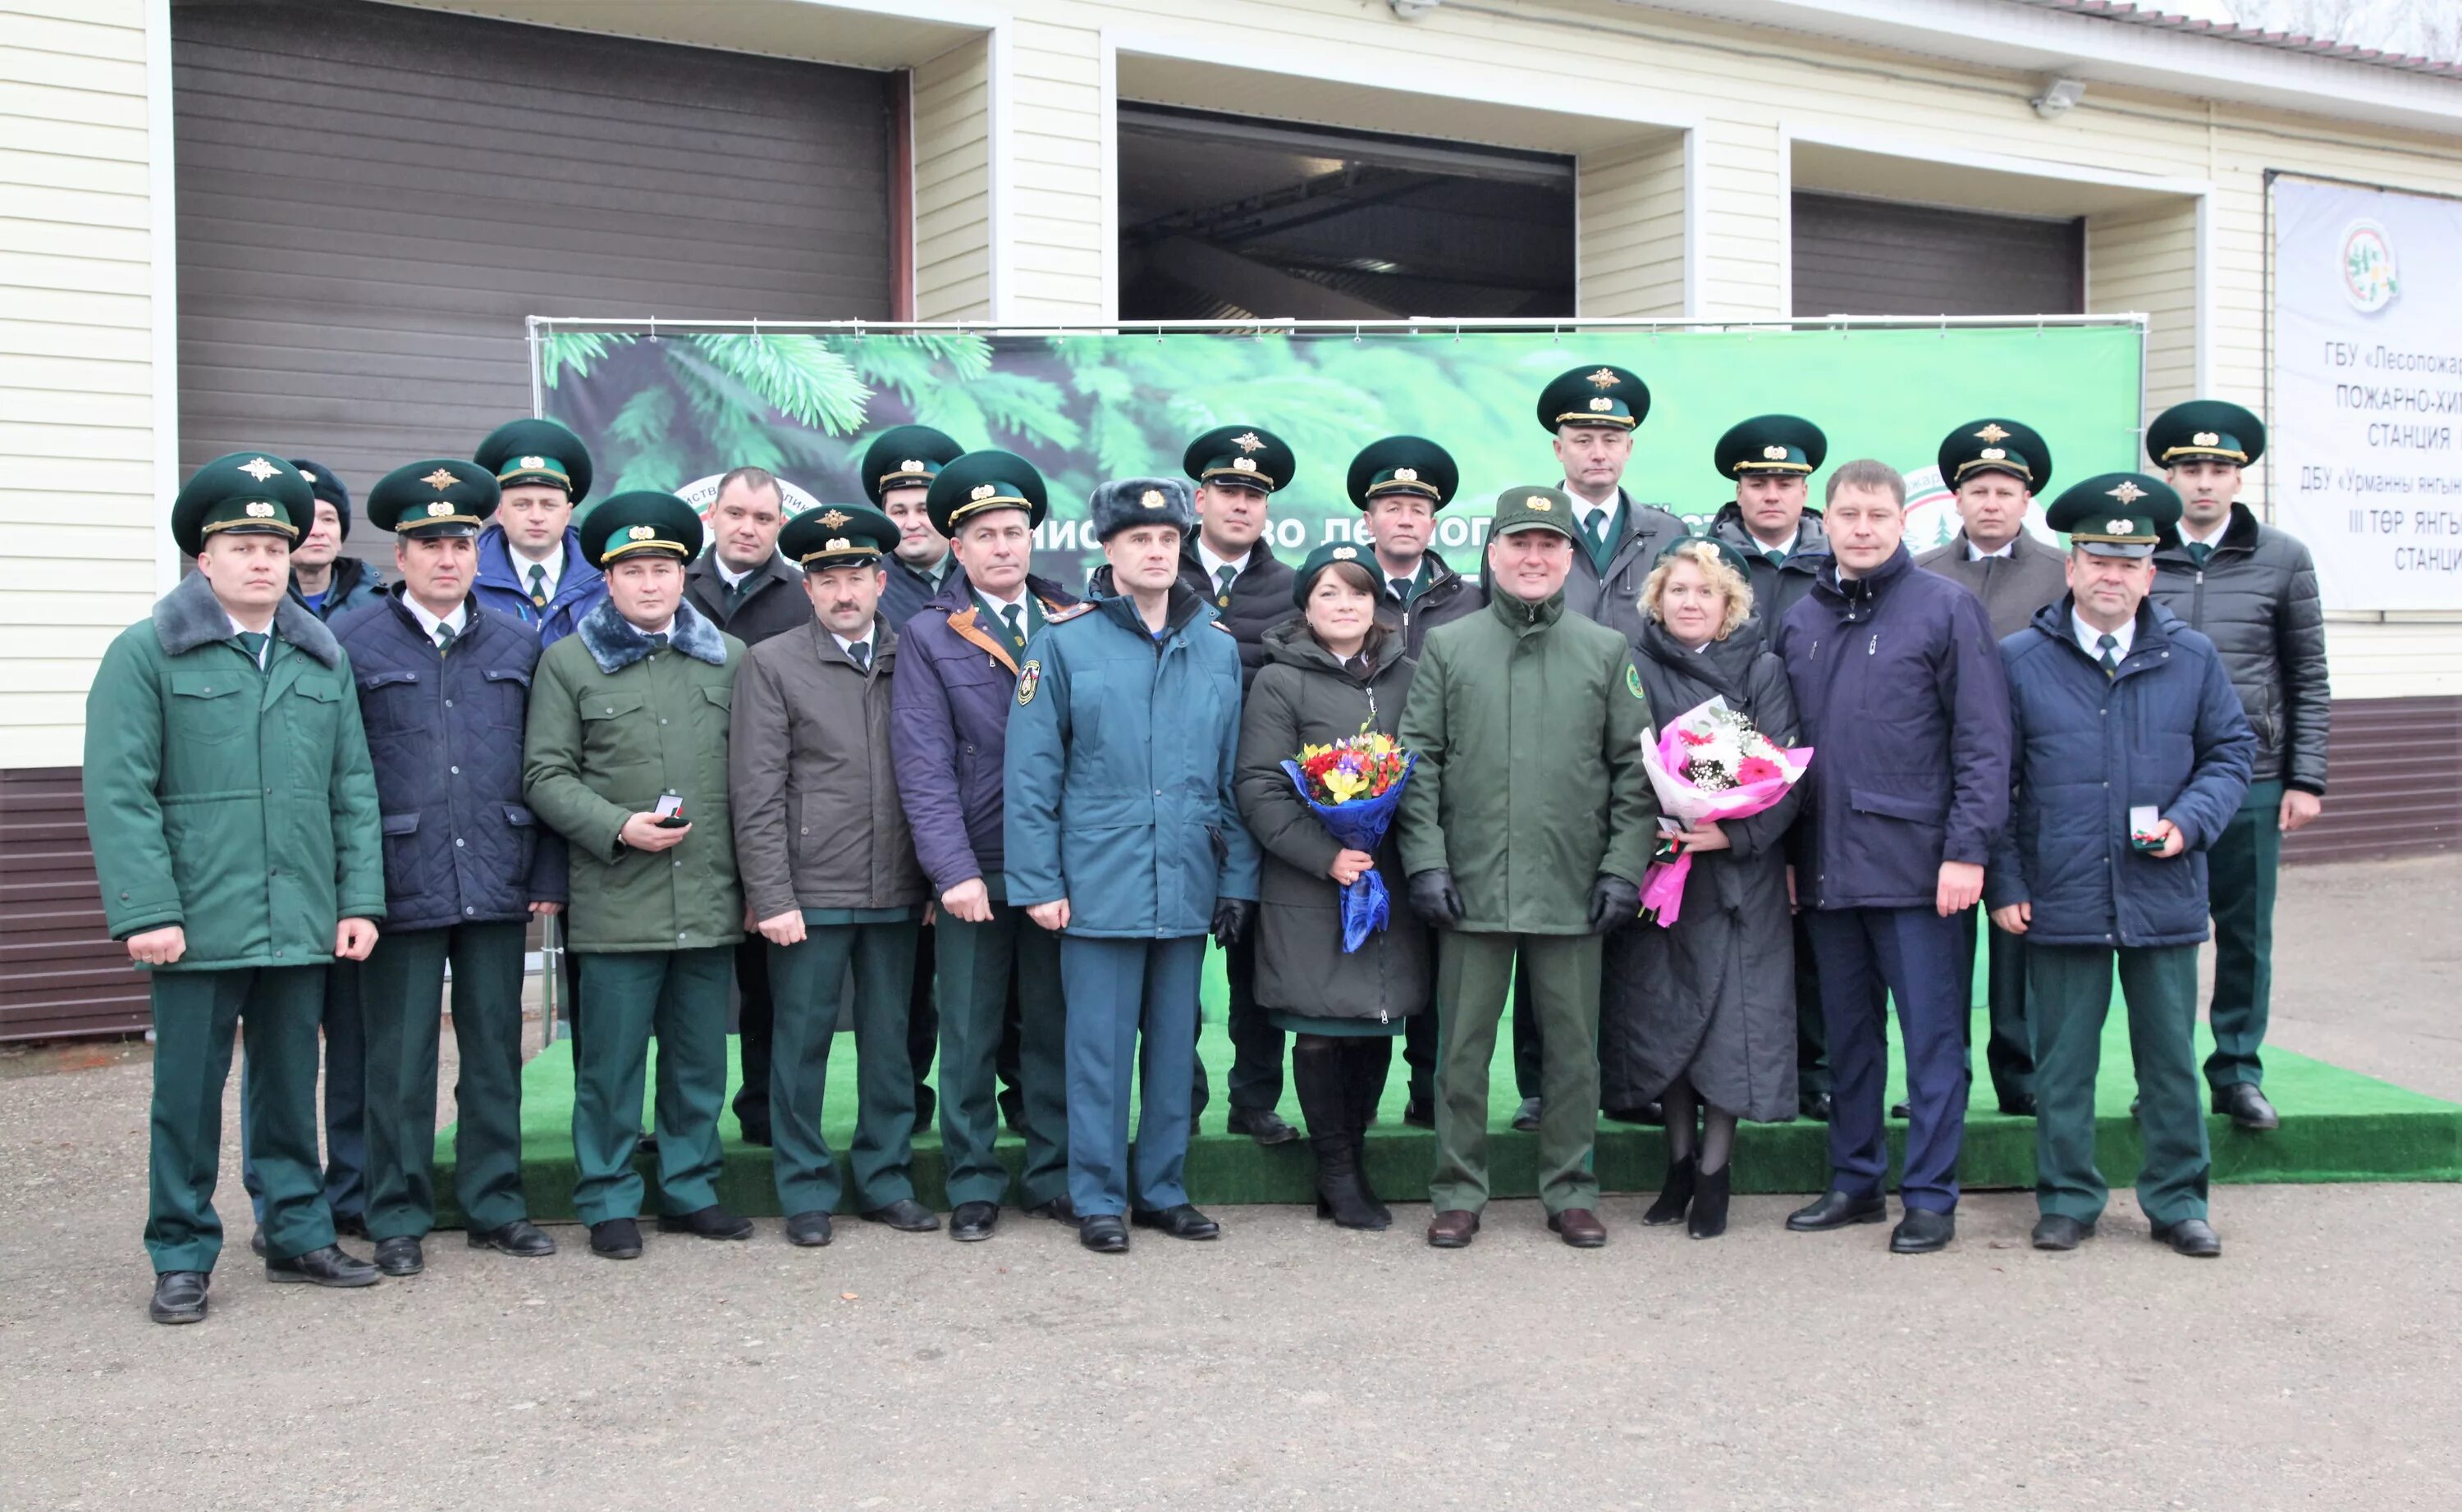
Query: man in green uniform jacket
[234, 824]
[626, 759]
[1525, 829]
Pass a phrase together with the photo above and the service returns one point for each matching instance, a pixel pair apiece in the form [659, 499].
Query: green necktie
[734, 592]
[1777, 558]
[1597, 530]
[2200, 551]
[1013, 615]
[254, 642]
[2110, 645]
[443, 637]
[538, 586]
[1222, 576]
[860, 653]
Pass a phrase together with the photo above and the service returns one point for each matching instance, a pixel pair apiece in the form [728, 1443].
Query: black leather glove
[1614, 901]
[1231, 916]
[1435, 899]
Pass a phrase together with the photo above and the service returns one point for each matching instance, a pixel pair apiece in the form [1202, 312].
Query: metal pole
[551, 971]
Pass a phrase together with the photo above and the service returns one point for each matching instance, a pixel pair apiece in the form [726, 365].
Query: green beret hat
[327, 487]
[1243, 456]
[838, 536]
[1528, 507]
[1772, 443]
[1727, 553]
[638, 521]
[1326, 556]
[978, 482]
[1996, 446]
[536, 452]
[433, 499]
[2205, 430]
[242, 494]
[905, 456]
[1407, 465]
[2116, 514]
[1600, 395]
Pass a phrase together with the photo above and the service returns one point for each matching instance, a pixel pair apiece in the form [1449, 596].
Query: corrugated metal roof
[2132, 14]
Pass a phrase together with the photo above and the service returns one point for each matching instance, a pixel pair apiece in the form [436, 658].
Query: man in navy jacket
[1902, 698]
[530, 563]
[2132, 757]
[443, 689]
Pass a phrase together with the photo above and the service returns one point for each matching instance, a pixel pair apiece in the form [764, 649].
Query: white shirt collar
[2205, 539]
[1215, 564]
[1015, 600]
[554, 566]
[1583, 507]
[2007, 548]
[1785, 548]
[668, 629]
[728, 575]
[427, 622]
[2087, 636]
[849, 645]
[263, 652]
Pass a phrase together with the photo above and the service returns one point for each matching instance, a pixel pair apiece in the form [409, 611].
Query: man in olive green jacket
[626, 759]
[234, 822]
[1525, 829]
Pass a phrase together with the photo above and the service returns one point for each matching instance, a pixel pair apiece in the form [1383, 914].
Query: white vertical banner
[2366, 433]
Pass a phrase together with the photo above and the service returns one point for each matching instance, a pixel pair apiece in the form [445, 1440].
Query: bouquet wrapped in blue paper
[1353, 786]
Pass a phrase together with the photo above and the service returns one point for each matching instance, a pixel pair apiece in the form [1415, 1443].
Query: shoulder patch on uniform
[1029, 677]
[1632, 682]
[1063, 616]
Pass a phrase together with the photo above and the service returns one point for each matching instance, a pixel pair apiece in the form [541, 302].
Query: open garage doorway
[1232, 218]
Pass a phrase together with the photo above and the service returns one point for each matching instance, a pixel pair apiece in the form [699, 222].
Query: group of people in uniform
[864, 763]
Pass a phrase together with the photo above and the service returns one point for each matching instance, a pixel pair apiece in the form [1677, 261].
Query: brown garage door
[1874, 257]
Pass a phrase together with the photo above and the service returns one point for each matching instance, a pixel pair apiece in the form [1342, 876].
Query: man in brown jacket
[830, 874]
[1997, 467]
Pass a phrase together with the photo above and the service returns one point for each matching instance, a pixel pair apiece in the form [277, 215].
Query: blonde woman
[1700, 1015]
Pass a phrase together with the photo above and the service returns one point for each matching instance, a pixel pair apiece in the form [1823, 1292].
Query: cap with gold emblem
[1240, 456]
[838, 536]
[433, 499]
[1331, 554]
[1699, 546]
[1785, 444]
[907, 457]
[1527, 507]
[2115, 515]
[2009, 447]
[1599, 395]
[242, 494]
[641, 522]
[979, 482]
[1403, 466]
[2205, 430]
[1126, 502]
[328, 488]
[521, 452]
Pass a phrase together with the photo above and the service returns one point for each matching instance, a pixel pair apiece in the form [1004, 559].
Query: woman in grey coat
[1700, 1014]
[1328, 675]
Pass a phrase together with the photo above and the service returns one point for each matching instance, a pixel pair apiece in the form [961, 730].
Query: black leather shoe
[1814, 1105]
[400, 1256]
[973, 1220]
[1060, 1210]
[1902, 1111]
[520, 1237]
[2019, 1105]
[1263, 1125]
[812, 1230]
[707, 1223]
[1420, 1114]
[1836, 1210]
[1183, 1222]
[349, 1225]
[906, 1215]
[2193, 1237]
[1708, 1218]
[179, 1297]
[330, 1267]
[1527, 1117]
[1922, 1231]
[255, 1245]
[616, 1239]
[1104, 1234]
[755, 1133]
[2247, 1107]
[2054, 1232]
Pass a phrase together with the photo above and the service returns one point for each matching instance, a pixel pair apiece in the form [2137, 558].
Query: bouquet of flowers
[1353, 786]
[1710, 764]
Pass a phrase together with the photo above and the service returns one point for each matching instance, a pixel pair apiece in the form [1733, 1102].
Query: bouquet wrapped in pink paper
[1710, 763]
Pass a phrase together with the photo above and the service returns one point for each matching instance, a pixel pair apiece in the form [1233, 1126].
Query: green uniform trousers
[805, 983]
[2240, 879]
[978, 964]
[400, 989]
[277, 1009]
[682, 995]
[1473, 974]
[2072, 992]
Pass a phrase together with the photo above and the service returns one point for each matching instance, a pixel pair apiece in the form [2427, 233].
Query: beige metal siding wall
[1058, 251]
[77, 360]
[953, 184]
[2146, 260]
[1632, 216]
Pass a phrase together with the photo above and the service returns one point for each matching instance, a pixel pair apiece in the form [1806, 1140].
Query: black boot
[1317, 1070]
[1365, 1063]
[1709, 1216]
[1674, 1194]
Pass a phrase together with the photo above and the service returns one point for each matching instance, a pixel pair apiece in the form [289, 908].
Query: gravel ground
[1289, 1364]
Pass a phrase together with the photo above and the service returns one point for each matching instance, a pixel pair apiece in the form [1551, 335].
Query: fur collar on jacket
[190, 616]
[615, 644]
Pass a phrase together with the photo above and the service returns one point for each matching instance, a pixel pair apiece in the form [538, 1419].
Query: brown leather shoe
[1580, 1226]
[1453, 1228]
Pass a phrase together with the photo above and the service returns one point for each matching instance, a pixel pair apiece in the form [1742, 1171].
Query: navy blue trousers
[1117, 989]
[1866, 957]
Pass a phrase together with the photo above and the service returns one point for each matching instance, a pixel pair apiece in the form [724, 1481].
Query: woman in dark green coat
[1329, 674]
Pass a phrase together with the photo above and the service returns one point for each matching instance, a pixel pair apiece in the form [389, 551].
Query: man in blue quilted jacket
[445, 692]
[2131, 755]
